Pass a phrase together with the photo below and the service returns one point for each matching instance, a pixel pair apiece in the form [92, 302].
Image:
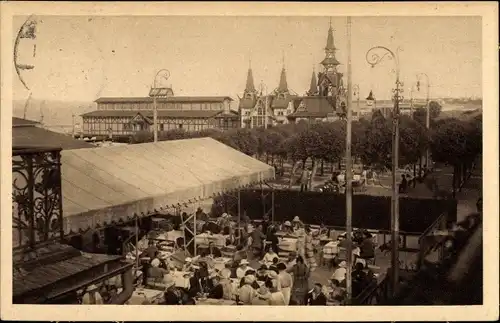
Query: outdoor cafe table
[149, 296]
[288, 244]
[181, 278]
[218, 239]
[220, 263]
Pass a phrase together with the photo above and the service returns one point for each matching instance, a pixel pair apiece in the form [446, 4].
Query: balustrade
[36, 197]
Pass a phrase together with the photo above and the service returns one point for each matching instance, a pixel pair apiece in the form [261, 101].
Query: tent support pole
[239, 216]
[272, 206]
[136, 242]
[194, 234]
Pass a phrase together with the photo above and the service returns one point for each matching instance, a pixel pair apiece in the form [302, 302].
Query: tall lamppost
[264, 87]
[156, 92]
[427, 110]
[355, 92]
[374, 56]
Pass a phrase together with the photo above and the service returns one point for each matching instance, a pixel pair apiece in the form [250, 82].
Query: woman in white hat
[287, 227]
[340, 273]
[277, 297]
[225, 281]
[273, 276]
[247, 292]
[92, 296]
[286, 282]
[243, 267]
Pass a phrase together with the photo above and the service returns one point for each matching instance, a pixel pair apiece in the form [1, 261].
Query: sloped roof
[247, 103]
[20, 122]
[105, 185]
[180, 99]
[39, 137]
[149, 113]
[330, 61]
[315, 106]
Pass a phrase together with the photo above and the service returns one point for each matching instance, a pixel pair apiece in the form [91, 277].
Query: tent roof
[111, 184]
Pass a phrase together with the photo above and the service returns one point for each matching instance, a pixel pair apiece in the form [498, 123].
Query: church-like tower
[330, 83]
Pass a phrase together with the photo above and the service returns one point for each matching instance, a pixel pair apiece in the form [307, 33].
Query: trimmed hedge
[374, 212]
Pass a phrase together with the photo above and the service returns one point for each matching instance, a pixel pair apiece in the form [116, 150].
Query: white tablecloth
[139, 295]
[180, 280]
[331, 249]
[220, 263]
[218, 239]
[288, 244]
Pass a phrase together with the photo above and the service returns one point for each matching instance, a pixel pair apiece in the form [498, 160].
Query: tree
[174, 134]
[414, 140]
[420, 114]
[245, 140]
[140, 137]
[376, 144]
[449, 145]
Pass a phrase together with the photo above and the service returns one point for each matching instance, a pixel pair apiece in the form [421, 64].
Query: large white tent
[106, 185]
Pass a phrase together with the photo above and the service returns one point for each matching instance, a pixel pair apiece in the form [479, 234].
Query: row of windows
[160, 106]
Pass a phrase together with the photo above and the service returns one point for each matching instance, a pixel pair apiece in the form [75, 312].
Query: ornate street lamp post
[374, 56]
[428, 113]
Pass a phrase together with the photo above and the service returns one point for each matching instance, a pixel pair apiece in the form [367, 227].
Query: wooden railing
[428, 240]
[377, 293]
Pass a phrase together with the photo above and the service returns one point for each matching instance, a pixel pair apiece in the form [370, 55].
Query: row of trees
[455, 142]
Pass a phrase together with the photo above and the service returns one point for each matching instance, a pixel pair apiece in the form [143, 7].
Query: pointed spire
[250, 87]
[370, 96]
[329, 41]
[283, 86]
[313, 89]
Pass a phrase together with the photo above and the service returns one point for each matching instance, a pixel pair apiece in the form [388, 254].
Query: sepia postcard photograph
[332, 158]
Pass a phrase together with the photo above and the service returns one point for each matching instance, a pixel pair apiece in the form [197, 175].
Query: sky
[81, 58]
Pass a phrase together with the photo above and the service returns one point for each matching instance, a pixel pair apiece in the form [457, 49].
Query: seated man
[217, 291]
[156, 274]
[315, 297]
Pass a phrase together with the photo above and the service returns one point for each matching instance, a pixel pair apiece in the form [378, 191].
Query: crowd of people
[276, 281]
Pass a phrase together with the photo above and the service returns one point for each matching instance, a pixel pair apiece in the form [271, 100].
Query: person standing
[301, 281]
[258, 239]
[286, 282]
[309, 250]
[304, 179]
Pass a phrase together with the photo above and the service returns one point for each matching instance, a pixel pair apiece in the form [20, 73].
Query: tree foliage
[455, 142]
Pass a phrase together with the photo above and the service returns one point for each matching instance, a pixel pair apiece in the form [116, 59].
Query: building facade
[122, 117]
[257, 108]
[326, 99]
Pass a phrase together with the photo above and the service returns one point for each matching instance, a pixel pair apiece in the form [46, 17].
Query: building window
[247, 113]
[280, 113]
[180, 125]
[161, 127]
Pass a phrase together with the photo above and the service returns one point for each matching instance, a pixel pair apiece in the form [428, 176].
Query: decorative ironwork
[36, 197]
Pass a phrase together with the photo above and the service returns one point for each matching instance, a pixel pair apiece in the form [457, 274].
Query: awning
[110, 184]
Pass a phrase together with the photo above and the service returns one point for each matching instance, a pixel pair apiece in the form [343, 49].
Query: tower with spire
[313, 88]
[326, 97]
[282, 98]
[249, 98]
